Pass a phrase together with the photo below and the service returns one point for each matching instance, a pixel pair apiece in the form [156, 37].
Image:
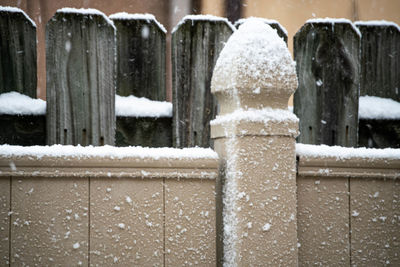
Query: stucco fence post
[254, 135]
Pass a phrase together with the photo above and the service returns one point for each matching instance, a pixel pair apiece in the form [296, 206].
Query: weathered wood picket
[96, 62]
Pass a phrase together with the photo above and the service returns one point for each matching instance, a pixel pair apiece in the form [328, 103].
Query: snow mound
[14, 103]
[88, 11]
[147, 17]
[338, 152]
[106, 151]
[255, 58]
[131, 106]
[377, 23]
[267, 21]
[203, 18]
[378, 108]
[17, 10]
[334, 21]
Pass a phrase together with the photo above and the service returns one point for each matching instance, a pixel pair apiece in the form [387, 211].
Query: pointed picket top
[255, 69]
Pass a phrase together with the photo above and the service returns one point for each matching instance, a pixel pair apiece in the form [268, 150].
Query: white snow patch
[146, 17]
[256, 115]
[107, 151]
[266, 227]
[377, 23]
[378, 108]
[203, 18]
[17, 10]
[117, 208]
[128, 199]
[334, 21]
[14, 103]
[268, 21]
[88, 11]
[121, 226]
[141, 107]
[76, 245]
[338, 152]
[355, 213]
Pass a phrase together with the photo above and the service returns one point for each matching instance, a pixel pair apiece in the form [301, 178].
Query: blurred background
[292, 14]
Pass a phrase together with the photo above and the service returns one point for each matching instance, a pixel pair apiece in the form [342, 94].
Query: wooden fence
[91, 57]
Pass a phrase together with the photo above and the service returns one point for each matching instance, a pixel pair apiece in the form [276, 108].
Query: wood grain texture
[196, 45]
[81, 72]
[380, 61]
[326, 101]
[17, 54]
[141, 59]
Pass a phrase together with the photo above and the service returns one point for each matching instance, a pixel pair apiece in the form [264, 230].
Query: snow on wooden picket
[81, 72]
[17, 52]
[327, 53]
[282, 32]
[196, 44]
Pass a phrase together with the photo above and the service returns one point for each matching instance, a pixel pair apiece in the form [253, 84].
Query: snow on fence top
[147, 17]
[378, 108]
[17, 10]
[62, 151]
[141, 107]
[333, 21]
[14, 103]
[324, 151]
[377, 23]
[268, 21]
[203, 18]
[256, 58]
[88, 11]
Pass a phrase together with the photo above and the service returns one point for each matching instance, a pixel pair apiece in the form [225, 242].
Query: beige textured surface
[375, 222]
[323, 221]
[126, 218]
[190, 223]
[49, 221]
[4, 220]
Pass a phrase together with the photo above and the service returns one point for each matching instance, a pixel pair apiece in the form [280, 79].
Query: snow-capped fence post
[254, 135]
[141, 72]
[380, 77]
[196, 44]
[282, 32]
[81, 70]
[17, 52]
[327, 53]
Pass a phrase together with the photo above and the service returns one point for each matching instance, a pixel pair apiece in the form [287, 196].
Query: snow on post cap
[379, 23]
[203, 18]
[268, 21]
[17, 10]
[88, 11]
[254, 70]
[147, 17]
[333, 21]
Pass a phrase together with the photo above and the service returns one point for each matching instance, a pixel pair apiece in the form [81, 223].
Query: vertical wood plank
[280, 30]
[196, 44]
[380, 59]
[126, 217]
[49, 223]
[4, 221]
[328, 65]
[81, 68]
[141, 56]
[17, 52]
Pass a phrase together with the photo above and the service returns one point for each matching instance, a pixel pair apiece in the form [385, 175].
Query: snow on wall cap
[137, 16]
[107, 151]
[334, 21]
[324, 151]
[254, 64]
[141, 107]
[17, 10]
[14, 103]
[268, 21]
[203, 18]
[378, 108]
[86, 11]
[377, 23]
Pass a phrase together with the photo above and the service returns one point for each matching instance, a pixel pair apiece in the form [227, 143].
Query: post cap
[254, 70]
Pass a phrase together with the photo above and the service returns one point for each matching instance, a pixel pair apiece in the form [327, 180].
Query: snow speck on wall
[146, 17]
[345, 152]
[14, 103]
[17, 10]
[141, 107]
[373, 107]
